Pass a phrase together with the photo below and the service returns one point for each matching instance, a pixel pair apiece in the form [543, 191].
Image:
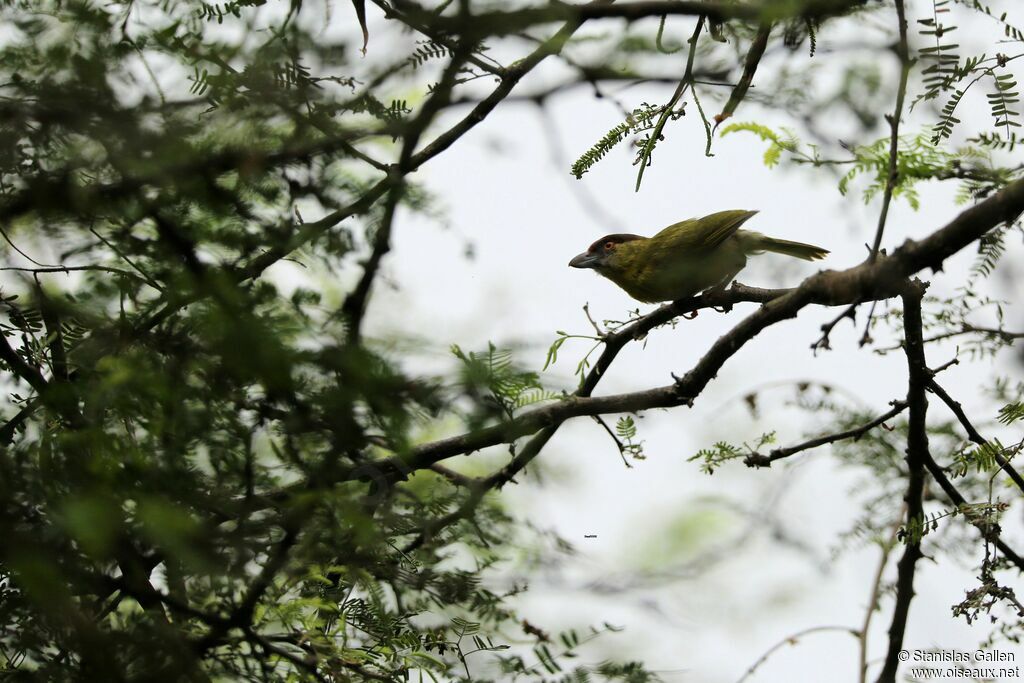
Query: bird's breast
[660, 274]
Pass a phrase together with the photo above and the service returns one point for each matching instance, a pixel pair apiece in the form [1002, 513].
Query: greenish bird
[685, 258]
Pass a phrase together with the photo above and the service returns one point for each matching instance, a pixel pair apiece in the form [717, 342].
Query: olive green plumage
[685, 258]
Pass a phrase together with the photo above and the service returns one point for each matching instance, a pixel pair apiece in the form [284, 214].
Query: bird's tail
[807, 252]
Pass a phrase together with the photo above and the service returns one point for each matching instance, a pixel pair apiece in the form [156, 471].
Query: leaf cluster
[641, 120]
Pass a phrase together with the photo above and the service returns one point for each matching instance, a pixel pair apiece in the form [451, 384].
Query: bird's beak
[584, 260]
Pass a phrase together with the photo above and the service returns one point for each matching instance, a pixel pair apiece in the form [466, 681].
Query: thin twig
[754, 54]
[876, 585]
[618, 442]
[973, 434]
[759, 460]
[457, 478]
[902, 51]
[892, 178]
[14, 246]
[644, 157]
[824, 341]
[70, 269]
[1004, 335]
[113, 247]
[792, 640]
[987, 531]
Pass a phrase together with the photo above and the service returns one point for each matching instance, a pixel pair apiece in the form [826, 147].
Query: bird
[685, 258]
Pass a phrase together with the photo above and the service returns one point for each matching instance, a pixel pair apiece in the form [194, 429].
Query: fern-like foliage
[944, 128]
[777, 143]
[716, 456]
[998, 142]
[1009, 30]
[799, 29]
[426, 51]
[991, 248]
[219, 11]
[722, 452]
[549, 652]
[625, 429]
[980, 459]
[977, 513]
[941, 59]
[493, 379]
[919, 159]
[640, 120]
[393, 112]
[293, 74]
[1002, 102]
[1011, 412]
[946, 73]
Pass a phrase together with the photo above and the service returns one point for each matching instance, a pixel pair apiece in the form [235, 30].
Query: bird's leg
[720, 289]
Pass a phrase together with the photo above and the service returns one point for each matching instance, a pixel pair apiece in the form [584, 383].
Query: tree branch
[917, 455]
[758, 460]
[892, 178]
[644, 156]
[991, 332]
[500, 23]
[972, 433]
[958, 499]
[754, 54]
[22, 369]
[354, 306]
[881, 279]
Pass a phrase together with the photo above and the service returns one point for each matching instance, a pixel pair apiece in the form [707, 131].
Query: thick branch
[917, 455]
[867, 281]
[499, 23]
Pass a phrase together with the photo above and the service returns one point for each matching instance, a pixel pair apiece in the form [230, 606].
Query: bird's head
[603, 253]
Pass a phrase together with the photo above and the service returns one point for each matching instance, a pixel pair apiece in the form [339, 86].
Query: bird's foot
[720, 290]
[691, 315]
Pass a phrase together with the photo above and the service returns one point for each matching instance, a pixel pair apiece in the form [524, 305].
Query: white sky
[507, 197]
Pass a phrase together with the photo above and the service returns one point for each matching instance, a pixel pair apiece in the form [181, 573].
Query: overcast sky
[509, 196]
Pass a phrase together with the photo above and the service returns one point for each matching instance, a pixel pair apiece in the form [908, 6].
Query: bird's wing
[699, 234]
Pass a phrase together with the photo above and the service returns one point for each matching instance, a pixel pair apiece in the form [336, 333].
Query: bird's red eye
[608, 246]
